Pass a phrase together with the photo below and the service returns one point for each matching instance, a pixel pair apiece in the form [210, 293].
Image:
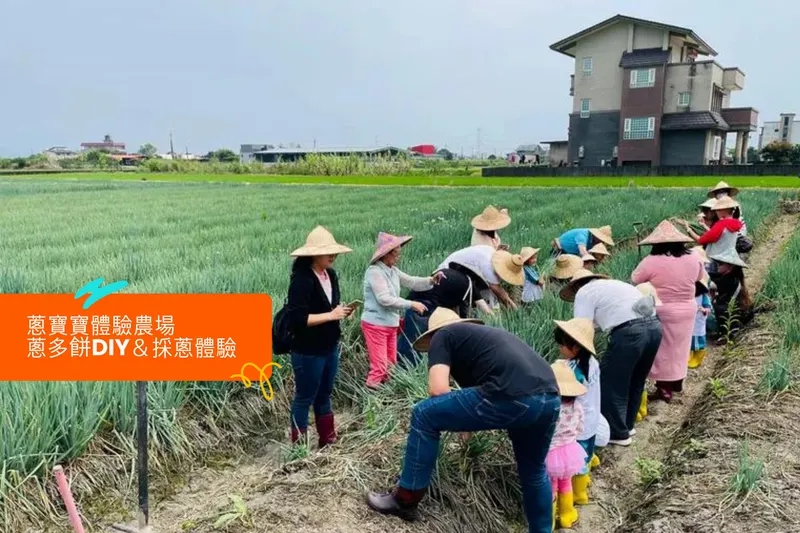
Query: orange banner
[136, 337]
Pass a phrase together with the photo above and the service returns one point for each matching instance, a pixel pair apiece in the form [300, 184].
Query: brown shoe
[399, 502]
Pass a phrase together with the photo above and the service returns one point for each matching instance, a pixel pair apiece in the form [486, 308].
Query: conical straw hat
[580, 329]
[566, 266]
[730, 257]
[721, 186]
[665, 233]
[701, 252]
[320, 242]
[599, 249]
[568, 385]
[509, 267]
[386, 243]
[648, 289]
[567, 293]
[725, 203]
[604, 234]
[527, 252]
[708, 204]
[440, 318]
[491, 219]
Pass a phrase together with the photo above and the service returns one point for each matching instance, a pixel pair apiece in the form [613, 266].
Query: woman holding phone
[380, 319]
[315, 313]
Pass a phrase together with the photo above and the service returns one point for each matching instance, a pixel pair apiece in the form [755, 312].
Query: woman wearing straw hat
[706, 217]
[578, 241]
[673, 270]
[315, 313]
[494, 267]
[566, 265]
[380, 319]
[722, 190]
[505, 385]
[634, 334]
[723, 234]
[486, 225]
[730, 287]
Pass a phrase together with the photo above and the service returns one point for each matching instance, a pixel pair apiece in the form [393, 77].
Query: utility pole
[171, 146]
[315, 143]
[479, 143]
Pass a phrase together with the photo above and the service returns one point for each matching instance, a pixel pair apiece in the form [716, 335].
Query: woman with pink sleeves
[672, 268]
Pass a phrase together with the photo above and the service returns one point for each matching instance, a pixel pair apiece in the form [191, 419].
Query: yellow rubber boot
[642, 408]
[555, 513]
[580, 489]
[567, 514]
[595, 462]
[696, 358]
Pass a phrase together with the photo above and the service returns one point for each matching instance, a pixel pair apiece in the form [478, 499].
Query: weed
[748, 473]
[650, 470]
[718, 388]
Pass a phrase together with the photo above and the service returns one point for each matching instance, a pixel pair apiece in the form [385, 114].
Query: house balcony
[741, 118]
[733, 79]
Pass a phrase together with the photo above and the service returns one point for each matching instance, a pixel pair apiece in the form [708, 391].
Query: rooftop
[644, 57]
[694, 120]
[337, 150]
[566, 46]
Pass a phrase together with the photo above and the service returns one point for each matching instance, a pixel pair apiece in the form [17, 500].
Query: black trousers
[632, 348]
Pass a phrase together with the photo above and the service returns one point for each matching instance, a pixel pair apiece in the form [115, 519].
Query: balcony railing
[741, 118]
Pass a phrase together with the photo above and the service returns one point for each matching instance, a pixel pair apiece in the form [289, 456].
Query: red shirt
[731, 224]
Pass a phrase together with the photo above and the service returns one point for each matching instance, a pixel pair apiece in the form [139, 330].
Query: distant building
[642, 97]
[107, 145]
[557, 155]
[59, 152]
[275, 155]
[786, 129]
[246, 151]
[428, 150]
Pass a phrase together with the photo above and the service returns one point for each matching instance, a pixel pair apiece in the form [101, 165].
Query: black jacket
[306, 297]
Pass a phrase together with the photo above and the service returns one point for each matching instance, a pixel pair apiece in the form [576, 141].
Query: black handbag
[743, 244]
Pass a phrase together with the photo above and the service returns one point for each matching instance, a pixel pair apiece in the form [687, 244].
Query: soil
[617, 494]
[278, 498]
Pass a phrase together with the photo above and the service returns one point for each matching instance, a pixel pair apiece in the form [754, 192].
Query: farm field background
[235, 237]
[420, 179]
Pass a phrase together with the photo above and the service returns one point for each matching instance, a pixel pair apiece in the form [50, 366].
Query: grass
[231, 237]
[771, 182]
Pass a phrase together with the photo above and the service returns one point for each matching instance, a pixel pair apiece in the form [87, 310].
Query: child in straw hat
[532, 289]
[599, 252]
[698, 348]
[575, 340]
[566, 458]
[380, 319]
[486, 225]
[589, 262]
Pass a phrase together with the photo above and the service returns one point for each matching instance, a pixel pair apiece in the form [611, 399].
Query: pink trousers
[561, 486]
[382, 350]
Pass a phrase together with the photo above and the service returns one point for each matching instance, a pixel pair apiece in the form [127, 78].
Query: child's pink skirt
[565, 461]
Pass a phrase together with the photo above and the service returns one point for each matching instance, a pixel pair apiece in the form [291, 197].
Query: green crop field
[443, 180]
[171, 237]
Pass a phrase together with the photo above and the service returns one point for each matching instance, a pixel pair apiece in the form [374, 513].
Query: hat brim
[605, 239]
[568, 328]
[571, 390]
[399, 243]
[567, 293]
[733, 191]
[677, 239]
[567, 273]
[733, 262]
[480, 223]
[505, 273]
[315, 251]
[423, 342]
[527, 256]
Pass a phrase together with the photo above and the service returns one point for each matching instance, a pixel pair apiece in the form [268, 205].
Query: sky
[469, 75]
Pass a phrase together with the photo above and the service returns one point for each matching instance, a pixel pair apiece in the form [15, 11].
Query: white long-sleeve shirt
[382, 302]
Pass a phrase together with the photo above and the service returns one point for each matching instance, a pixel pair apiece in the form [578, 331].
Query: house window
[639, 128]
[585, 108]
[716, 152]
[684, 99]
[641, 78]
[587, 66]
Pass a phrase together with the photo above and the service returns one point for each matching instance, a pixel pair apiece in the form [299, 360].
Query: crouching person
[505, 385]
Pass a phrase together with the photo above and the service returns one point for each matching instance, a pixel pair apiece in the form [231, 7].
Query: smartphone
[354, 304]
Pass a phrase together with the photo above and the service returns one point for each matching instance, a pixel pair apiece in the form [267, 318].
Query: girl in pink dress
[673, 269]
[566, 458]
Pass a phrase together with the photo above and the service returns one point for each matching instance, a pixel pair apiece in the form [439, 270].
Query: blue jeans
[313, 384]
[414, 325]
[530, 423]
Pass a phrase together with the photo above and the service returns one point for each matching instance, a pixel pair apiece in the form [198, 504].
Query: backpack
[743, 244]
[282, 334]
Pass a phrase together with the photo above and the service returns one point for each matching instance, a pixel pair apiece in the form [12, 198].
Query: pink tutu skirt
[565, 461]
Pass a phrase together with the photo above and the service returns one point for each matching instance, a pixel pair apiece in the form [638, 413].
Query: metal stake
[141, 438]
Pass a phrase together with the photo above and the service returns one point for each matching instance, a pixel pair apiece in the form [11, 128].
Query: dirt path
[615, 481]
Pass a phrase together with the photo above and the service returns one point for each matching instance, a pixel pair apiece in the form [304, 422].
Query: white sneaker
[632, 433]
[625, 442]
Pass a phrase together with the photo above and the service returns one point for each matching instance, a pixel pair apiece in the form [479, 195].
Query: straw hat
[509, 267]
[603, 234]
[568, 385]
[708, 204]
[386, 243]
[648, 290]
[721, 186]
[567, 293]
[599, 249]
[491, 219]
[440, 318]
[588, 257]
[580, 329]
[703, 283]
[725, 203]
[665, 233]
[320, 242]
[699, 250]
[730, 257]
[473, 272]
[566, 266]
[527, 252]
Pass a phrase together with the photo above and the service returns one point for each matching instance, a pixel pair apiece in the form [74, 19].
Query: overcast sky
[348, 72]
